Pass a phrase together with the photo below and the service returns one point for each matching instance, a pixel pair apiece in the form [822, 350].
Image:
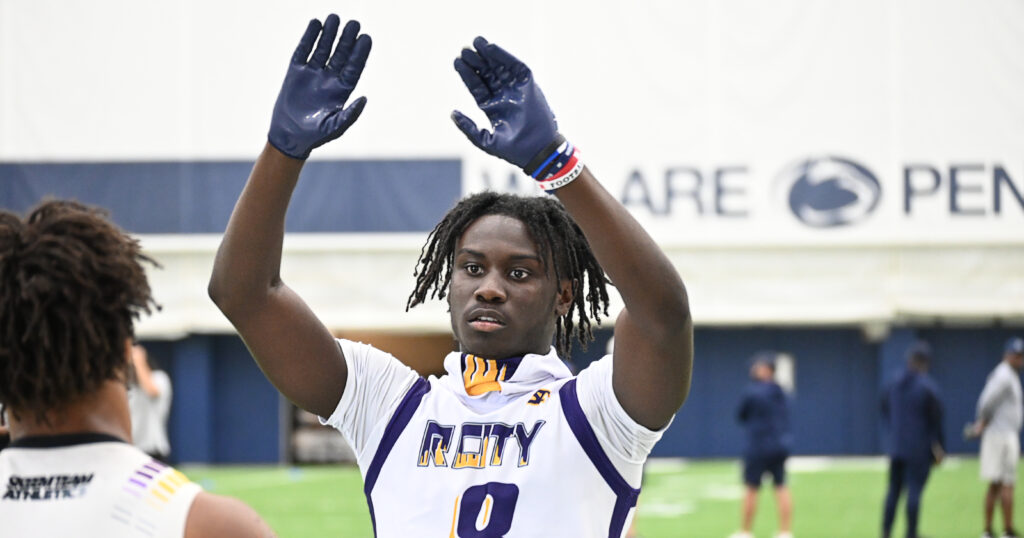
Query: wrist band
[559, 167]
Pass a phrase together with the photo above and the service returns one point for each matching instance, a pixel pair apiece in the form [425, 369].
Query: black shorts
[755, 467]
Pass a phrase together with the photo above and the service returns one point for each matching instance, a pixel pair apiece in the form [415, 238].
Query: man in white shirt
[508, 443]
[999, 417]
[149, 399]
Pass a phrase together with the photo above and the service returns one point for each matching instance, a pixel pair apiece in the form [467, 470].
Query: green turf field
[832, 498]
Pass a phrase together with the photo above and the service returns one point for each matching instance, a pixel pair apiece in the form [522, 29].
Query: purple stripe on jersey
[624, 493]
[144, 474]
[403, 414]
[136, 481]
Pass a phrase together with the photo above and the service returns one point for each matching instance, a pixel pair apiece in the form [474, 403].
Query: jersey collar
[64, 439]
[476, 376]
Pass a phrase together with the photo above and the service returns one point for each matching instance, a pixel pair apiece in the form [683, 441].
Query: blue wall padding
[198, 196]
[225, 411]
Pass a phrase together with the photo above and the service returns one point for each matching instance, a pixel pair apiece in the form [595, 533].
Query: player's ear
[129, 372]
[564, 299]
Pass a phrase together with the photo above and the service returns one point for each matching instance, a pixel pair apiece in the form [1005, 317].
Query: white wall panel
[363, 282]
[657, 94]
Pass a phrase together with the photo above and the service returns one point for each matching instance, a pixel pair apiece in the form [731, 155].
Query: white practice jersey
[515, 447]
[89, 485]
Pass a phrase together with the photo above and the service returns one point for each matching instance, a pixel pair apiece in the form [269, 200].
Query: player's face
[503, 301]
[761, 372]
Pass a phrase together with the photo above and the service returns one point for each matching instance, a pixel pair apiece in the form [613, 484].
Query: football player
[72, 285]
[508, 442]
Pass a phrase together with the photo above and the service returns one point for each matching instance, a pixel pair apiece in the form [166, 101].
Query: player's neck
[104, 411]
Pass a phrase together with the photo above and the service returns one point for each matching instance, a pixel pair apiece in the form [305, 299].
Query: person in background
[912, 412]
[999, 415]
[149, 399]
[73, 285]
[764, 414]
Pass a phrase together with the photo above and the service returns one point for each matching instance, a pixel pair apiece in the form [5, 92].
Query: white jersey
[89, 485]
[1001, 403]
[515, 447]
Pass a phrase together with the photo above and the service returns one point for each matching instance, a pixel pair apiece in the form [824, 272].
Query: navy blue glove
[524, 129]
[310, 109]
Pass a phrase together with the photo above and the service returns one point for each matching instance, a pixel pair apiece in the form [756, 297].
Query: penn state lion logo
[828, 192]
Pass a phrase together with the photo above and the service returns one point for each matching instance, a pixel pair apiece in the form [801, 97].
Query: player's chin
[481, 346]
[489, 345]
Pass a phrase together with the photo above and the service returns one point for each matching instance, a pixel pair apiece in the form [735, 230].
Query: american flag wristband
[559, 164]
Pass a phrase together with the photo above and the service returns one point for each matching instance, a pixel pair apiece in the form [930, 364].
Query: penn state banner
[796, 123]
[799, 161]
[818, 198]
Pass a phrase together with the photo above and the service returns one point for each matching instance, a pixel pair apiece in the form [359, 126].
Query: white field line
[668, 510]
[679, 491]
[687, 489]
[270, 477]
[796, 464]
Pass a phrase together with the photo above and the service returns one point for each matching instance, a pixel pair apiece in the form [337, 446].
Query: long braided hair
[71, 284]
[561, 244]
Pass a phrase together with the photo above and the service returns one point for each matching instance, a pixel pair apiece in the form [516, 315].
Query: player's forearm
[308, 113]
[142, 372]
[650, 286]
[247, 264]
[742, 414]
[990, 399]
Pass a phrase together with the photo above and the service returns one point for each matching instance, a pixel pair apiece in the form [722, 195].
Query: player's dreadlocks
[558, 238]
[71, 283]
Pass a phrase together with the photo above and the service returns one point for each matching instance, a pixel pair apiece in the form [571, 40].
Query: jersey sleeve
[375, 385]
[618, 433]
[178, 503]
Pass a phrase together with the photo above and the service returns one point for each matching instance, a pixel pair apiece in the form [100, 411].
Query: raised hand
[310, 109]
[522, 124]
